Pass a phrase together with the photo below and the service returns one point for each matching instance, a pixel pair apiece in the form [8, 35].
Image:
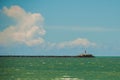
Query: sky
[60, 27]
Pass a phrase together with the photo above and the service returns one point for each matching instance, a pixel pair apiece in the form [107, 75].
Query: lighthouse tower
[85, 52]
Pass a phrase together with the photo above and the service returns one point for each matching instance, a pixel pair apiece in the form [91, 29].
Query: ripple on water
[17, 69]
[29, 73]
[67, 78]
[43, 63]
[18, 79]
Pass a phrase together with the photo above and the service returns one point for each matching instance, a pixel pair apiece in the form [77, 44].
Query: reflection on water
[67, 78]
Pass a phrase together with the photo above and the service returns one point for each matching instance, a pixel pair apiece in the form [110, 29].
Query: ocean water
[32, 68]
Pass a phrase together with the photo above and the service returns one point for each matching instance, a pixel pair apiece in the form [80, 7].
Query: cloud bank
[29, 30]
[26, 30]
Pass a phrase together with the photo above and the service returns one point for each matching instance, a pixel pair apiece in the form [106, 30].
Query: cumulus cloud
[73, 43]
[27, 30]
[76, 42]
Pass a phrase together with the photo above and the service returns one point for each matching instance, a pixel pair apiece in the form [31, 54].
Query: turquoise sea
[35, 68]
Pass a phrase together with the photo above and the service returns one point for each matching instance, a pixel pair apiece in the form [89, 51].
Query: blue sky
[59, 27]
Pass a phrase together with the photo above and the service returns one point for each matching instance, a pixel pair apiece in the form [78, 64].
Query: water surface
[32, 68]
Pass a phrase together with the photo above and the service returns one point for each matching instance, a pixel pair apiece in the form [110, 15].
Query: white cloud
[71, 44]
[28, 29]
[76, 42]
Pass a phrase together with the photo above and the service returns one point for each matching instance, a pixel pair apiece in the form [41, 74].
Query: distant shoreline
[45, 56]
[56, 56]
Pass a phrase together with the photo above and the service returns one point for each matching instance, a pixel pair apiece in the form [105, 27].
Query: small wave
[67, 78]
[43, 63]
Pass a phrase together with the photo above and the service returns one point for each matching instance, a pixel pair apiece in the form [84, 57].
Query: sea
[38, 68]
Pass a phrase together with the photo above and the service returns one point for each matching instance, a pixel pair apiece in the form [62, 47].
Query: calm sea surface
[32, 68]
